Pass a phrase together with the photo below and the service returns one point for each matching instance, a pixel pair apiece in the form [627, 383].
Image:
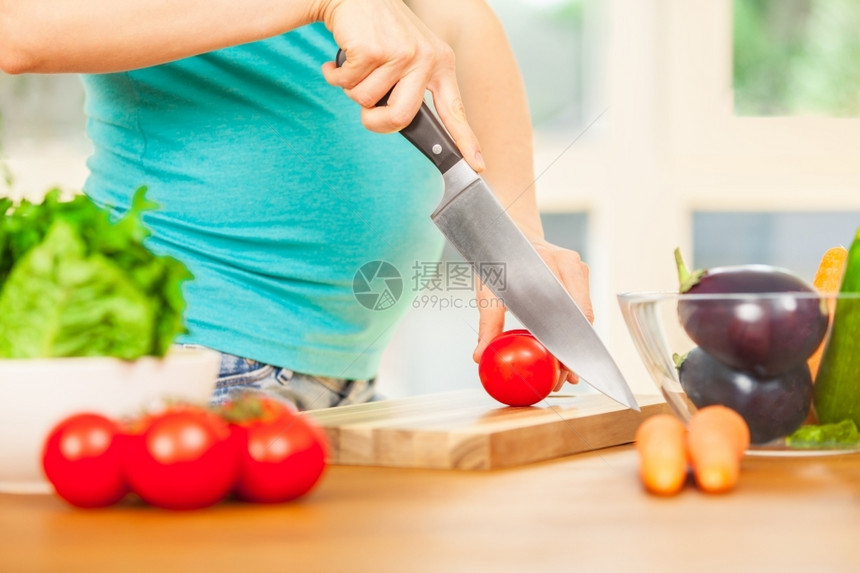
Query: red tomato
[183, 458]
[516, 331]
[517, 370]
[82, 459]
[282, 455]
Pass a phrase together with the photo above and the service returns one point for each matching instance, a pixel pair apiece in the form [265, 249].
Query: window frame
[670, 145]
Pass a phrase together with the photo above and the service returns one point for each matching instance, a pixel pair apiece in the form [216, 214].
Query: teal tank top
[274, 195]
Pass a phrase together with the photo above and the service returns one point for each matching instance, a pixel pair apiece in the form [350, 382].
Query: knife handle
[425, 132]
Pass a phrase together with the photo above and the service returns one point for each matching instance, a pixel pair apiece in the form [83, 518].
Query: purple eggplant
[772, 407]
[756, 318]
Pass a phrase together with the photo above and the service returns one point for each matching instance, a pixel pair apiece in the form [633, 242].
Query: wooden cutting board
[468, 430]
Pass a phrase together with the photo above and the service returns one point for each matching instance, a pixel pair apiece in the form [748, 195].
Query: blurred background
[729, 128]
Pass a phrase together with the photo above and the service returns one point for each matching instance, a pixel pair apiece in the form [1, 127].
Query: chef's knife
[474, 221]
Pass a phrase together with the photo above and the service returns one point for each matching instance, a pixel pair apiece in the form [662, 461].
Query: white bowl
[36, 394]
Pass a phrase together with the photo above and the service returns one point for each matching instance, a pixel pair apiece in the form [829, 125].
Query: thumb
[491, 321]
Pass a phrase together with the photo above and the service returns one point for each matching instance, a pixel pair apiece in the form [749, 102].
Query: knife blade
[478, 226]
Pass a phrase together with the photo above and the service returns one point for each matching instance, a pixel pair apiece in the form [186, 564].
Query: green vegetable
[841, 435]
[837, 386]
[73, 282]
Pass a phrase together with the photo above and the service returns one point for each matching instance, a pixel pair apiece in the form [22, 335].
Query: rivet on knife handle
[425, 132]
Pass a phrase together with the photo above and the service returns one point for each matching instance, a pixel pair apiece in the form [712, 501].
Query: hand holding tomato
[517, 370]
[573, 273]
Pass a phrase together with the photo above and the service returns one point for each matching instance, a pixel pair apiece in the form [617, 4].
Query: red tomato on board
[183, 458]
[517, 370]
[281, 454]
[82, 459]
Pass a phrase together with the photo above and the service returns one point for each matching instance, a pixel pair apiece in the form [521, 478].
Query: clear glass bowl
[654, 323]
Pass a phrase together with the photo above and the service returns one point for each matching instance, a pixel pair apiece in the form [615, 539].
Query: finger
[402, 106]
[330, 73]
[574, 276]
[565, 375]
[490, 324]
[371, 91]
[491, 321]
[452, 112]
[368, 86]
[361, 61]
[401, 79]
[347, 76]
[562, 377]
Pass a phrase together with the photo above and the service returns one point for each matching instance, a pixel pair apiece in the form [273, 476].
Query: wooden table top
[581, 513]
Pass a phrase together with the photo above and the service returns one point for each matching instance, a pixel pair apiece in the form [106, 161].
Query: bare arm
[96, 36]
[495, 99]
[386, 44]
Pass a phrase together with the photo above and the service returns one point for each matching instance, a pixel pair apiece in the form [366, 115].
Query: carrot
[827, 280]
[717, 439]
[660, 441]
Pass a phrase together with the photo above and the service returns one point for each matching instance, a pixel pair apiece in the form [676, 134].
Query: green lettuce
[74, 282]
[840, 435]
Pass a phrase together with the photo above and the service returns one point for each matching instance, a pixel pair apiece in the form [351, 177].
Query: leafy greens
[73, 282]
